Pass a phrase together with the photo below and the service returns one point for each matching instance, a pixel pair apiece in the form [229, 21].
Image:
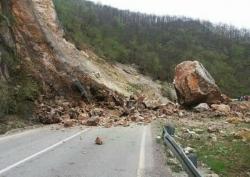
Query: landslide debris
[80, 88]
[71, 112]
[77, 87]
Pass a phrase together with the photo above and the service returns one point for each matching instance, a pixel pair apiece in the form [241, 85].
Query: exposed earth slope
[61, 82]
[41, 41]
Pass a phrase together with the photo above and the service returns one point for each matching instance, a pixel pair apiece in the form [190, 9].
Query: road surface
[53, 152]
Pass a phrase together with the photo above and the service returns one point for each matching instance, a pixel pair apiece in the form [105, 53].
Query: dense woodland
[157, 43]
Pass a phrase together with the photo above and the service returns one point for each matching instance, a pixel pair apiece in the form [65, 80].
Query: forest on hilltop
[157, 43]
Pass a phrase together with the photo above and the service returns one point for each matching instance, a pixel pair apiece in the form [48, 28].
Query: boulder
[188, 150]
[195, 85]
[68, 123]
[51, 117]
[94, 121]
[222, 108]
[65, 117]
[98, 141]
[243, 134]
[83, 116]
[202, 107]
[167, 109]
[73, 113]
[235, 120]
[97, 112]
[226, 99]
[213, 129]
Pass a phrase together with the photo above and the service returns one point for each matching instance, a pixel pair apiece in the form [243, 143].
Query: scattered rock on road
[98, 141]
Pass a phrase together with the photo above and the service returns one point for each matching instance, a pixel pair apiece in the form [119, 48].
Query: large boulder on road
[195, 85]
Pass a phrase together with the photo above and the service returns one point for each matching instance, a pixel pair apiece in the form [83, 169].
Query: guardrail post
[193, 158]
[170, 129]
[188, 162]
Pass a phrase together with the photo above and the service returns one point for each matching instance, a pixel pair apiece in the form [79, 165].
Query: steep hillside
[80, 65]
[40, 68]
[157, 44]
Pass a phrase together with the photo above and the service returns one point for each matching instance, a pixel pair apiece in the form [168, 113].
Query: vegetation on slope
[225, 155]
[18, 90]
[156, 44]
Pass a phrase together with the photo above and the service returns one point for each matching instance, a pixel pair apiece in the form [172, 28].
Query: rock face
[195, 85]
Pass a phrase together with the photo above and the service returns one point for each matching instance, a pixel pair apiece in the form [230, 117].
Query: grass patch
[226, 157]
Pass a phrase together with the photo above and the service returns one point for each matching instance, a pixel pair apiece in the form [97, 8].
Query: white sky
[232, 12]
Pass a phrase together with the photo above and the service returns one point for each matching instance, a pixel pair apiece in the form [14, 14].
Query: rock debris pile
[193, 84]
[136, 109]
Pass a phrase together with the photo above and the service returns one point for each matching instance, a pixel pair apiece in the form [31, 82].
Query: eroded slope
[114, 77]
[66, 74]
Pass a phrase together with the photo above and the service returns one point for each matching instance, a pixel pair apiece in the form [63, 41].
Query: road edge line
[141, 164]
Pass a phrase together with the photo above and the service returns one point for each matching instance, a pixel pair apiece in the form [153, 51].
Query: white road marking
[141, 164]
[41, 152]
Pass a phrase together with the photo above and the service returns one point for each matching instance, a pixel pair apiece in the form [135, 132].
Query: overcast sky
[234, 12]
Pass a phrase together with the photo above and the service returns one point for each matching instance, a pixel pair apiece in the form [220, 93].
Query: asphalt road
[50, 152]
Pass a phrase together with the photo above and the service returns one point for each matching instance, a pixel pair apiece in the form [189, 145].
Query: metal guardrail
[186, 163]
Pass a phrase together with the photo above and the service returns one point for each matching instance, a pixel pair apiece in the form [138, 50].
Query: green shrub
[7, 101]
[169, 91]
